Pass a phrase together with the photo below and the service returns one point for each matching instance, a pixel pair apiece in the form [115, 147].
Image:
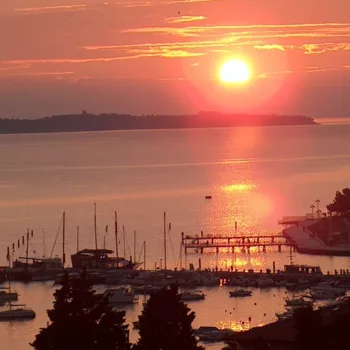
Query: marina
[256, 195]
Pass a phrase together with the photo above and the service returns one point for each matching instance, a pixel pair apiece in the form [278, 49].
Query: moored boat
[298, 302]
[8, 296]
[19, 313]
[191, 296]
[240, 293]
[119, 296]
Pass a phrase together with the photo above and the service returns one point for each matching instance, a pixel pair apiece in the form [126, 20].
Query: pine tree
[166, 323]
[79, 321]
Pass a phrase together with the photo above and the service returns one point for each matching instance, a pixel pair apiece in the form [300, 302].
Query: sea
[254, 175]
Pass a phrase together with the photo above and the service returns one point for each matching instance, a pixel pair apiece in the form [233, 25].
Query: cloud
[303, 28]
[270, 47]
[37, 74]
[50, 8]
[182, 19]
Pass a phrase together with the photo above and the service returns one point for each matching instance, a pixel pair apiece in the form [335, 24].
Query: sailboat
[19, 313]
[4, 295]
[99, 258]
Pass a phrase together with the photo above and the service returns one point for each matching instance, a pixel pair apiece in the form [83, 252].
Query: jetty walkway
[199, 244]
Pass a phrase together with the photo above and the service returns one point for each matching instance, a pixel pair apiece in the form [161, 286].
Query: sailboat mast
[77, 239]
[164, 240]
[144, 255]
[27, 248]
[44, 244]
[124, 249]
[134, 246]
[64, 239]
[116, 237]
[95, 226]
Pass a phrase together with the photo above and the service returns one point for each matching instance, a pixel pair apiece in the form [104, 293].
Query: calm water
[255, 176]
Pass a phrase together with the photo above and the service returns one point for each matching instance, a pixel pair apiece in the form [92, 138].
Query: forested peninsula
[91, 122]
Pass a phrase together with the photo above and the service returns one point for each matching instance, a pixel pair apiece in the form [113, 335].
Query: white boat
[8, 296]
[20, 313]
[298, 302]
[120, 295]
[189, 296]
[328, 288]
[240, 293]
[324, 295]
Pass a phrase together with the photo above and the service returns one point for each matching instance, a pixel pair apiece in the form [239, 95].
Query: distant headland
[91, 122]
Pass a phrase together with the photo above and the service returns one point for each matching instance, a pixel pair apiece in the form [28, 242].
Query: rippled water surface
[254, 175]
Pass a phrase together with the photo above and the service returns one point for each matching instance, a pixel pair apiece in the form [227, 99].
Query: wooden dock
[202, 243]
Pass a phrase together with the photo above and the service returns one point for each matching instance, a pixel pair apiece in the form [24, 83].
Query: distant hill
[91, 122]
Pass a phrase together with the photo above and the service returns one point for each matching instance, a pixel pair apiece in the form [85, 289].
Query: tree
[166, 323]
[341, 202]
[81, 321]
[308, 324]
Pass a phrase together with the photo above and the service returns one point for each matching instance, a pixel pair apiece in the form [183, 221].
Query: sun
[234, 71]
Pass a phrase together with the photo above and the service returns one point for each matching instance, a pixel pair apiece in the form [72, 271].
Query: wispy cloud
[270, 47]
[50, 8]
[182, 19]
[308, 28]
[37, 74]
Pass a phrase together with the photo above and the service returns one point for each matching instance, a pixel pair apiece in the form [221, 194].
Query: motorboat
[324, 295]
[328, 288]
[191, 296]
[8, 296]
[20, 313]
[298, 302]
[119, 296]
[240, 293]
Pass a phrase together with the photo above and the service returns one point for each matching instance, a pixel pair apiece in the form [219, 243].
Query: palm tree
[317, 205]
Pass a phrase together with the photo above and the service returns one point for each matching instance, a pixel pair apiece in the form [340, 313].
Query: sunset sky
[164, 56]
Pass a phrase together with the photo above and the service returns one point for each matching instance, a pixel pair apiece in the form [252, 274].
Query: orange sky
[164, 56]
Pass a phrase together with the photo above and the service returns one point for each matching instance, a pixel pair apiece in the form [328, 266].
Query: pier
[202, 243]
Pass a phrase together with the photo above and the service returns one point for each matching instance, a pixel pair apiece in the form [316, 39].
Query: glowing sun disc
[235, 71]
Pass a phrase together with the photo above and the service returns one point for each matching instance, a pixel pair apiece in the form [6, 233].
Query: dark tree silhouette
[308, 324]
[341, 202]
[80, 321]
[166, 323]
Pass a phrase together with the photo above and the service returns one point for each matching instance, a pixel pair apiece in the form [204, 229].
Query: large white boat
[190, 296]
[324, 295]
[326, 290]
[20, 313]
[120, 296]
[240, 293]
